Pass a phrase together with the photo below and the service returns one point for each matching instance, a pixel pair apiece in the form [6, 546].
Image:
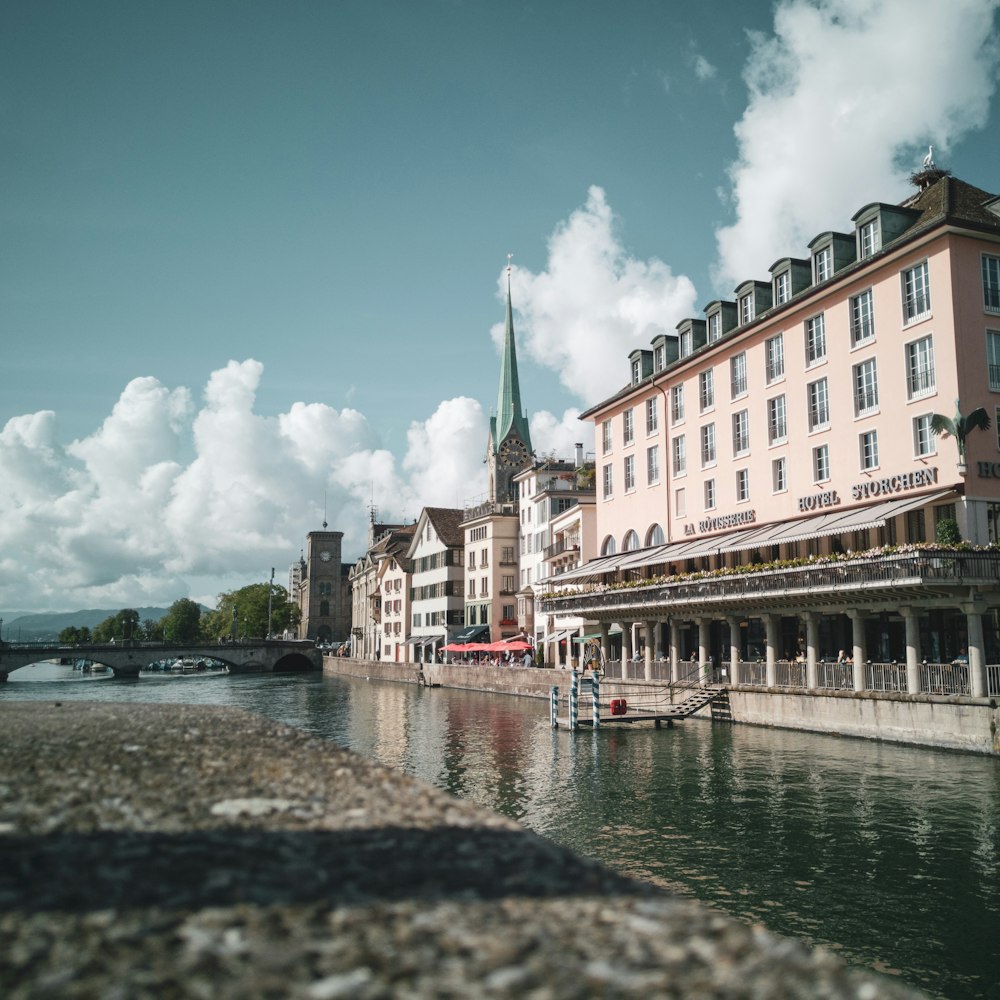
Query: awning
[422, 640]
[554, 636]
[471, 633]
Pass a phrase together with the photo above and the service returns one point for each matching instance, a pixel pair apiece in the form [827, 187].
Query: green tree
[74, 635]
[122, 626]
[948, 532]
[250, 606]
[151, 631]
[182, 622]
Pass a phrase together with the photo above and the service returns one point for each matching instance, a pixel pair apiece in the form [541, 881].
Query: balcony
[893, 578]
[558, 548]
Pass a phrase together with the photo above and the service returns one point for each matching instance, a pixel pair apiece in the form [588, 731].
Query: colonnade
[662, 641]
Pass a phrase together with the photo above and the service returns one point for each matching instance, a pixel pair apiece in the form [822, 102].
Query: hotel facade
[772, 480]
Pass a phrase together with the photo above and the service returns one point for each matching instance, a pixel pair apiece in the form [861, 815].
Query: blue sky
[253, 252]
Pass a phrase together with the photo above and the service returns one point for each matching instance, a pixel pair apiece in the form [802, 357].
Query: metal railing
[789, 673]
[835, 676]
[751, 672]
[885, 677]
[945, 678]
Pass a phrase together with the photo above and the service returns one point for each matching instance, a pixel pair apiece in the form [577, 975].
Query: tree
[182, 622]
[151, 631]
[74, 635]
[250, 606]
[947, 532]
[120, 627]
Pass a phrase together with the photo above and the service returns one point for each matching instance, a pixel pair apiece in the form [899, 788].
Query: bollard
[595, 688]
[574, 698]
[554, 706]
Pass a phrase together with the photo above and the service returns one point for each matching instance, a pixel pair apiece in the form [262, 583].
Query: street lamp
[270, 594]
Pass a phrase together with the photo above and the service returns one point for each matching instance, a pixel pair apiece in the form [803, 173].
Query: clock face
[325, 556]
[513, 452]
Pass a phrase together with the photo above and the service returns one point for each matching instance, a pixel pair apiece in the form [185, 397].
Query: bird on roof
[929, 158]
[959, 426]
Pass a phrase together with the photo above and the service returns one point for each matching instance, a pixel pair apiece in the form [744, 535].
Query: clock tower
[508, 449]
[322, 589]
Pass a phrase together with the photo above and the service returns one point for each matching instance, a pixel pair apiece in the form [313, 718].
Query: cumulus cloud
[593, 303]
[168, 498]
[844, 98]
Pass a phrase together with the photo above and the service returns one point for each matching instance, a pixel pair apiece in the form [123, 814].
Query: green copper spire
[510, 415]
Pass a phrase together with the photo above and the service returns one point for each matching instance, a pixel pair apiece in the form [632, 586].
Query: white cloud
[844, 99]
[120, 519]
[557, 437]
[703, 69]
[593, 303]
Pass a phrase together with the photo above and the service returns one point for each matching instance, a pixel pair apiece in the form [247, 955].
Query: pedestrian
[526, 659]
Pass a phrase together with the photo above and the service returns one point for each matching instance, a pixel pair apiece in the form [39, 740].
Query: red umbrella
[518, 644]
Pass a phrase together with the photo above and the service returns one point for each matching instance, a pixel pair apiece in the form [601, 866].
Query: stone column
[650, 642]
[704, 652]
[812, 648]
[860, 649]
[977, 660]
[675, 650]
[626, 646]
[771, 627]
[659, 644]
[734, 648]
[605, 642]
[912, 623]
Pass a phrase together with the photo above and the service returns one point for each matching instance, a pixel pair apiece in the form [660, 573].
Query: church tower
[508, 449]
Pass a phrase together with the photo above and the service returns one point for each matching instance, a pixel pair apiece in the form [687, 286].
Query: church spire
[510, 415]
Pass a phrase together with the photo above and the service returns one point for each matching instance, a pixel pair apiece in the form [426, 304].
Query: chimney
[579, 454]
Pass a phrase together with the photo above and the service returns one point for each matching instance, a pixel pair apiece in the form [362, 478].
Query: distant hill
[18, 626]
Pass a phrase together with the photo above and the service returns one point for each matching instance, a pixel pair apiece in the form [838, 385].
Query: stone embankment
[182, 851]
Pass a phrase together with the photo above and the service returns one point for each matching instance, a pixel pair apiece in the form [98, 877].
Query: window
[991, 283]
[629, 473]
[652, 416]
[742, 485]
[653, 464]
[869, 450]
[508, 584]
[738, 375]
[472, 560]
[823, 264]
[608, 482]
[865, 388]
[868, 239]
[630, 542]
[782, 287]
[677, 404]
[815, 340]
[779, 475]
[606, 436]
[746, 309]
[741, 432]
[993, 358]
[777, 424]
[508, 554]
[709, 494]
[708, 445]
[916, 293]
[472, 587]
[775, 352]
[628, 427]
[680, 502]
[636, 371]
[680, 456]
[915, 530]
[821, 463]
[862, 318]
[706, 389]
[685, 343]
[819, 404]
[714, 327]
[659, 358]
[920, 378]
[610, 546]
[923, 436]
[655, 536]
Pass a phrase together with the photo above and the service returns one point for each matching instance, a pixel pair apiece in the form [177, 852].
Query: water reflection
[886, 854]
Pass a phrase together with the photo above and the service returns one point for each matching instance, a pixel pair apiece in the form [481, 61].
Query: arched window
[630, 542]
[610, 547]
[655, 536]
[324, 609]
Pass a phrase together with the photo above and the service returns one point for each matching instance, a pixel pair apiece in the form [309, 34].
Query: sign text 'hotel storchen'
[893, 484]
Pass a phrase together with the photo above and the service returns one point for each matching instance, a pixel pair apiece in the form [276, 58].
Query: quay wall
[953, 722]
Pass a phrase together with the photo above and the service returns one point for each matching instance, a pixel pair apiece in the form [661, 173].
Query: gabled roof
[447, 523]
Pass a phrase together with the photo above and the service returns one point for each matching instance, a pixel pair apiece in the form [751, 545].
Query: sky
[254, 254]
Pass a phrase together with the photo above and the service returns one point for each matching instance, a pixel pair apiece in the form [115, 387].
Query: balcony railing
[953, 571]
[558, 548]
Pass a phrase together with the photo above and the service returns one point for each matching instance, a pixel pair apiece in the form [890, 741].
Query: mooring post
[595, 688]
[554, 706]
[574, 698]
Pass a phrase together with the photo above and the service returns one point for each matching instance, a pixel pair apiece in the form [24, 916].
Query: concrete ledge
[153, 850]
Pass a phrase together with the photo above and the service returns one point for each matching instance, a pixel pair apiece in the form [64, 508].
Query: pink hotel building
[770, 481]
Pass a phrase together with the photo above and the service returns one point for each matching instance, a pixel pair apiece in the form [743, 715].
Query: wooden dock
[666, 713]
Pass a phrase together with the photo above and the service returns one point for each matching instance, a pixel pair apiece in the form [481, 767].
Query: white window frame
[742, 485]
[653, 465]
[606, 437]
[706, 390]
[677, 404]
[777, 420]
[738, 375]
[629, 473]
[862, 318]
[607, 480]
[921, 376]
[818, 404]
[822, 264]
[708, 446]
[821, 463]
[628, 426]
[659, 358]
[991, 283]
[710, 499]
[746, 309]
[815, 340]
[782, 287]
[714, 327]
[652, 415]
[868, 450]
[916, 291]
[869, 239]
[741, 433]
[685, 344]
[678, 451]
[864, 378]
[774, 354]
[993, 360]
[636, 371]
[924, 438]
[779, 475]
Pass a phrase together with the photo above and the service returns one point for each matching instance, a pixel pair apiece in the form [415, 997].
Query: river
[888, 855]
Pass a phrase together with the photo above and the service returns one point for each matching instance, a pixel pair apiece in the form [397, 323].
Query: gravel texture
[182, 851]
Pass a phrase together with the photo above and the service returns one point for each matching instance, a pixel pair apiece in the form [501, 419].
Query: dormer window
[869, 240]
[659, 358]
[823, 264]
[782, 287]
[636, 371]
[714, 327]
[746, 309]
[686, 343]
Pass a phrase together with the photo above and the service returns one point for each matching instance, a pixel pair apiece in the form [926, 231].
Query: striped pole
[595, 687]
[554, 706]
[574, 699]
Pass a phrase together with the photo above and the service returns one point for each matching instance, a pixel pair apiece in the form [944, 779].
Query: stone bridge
[254, 656]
